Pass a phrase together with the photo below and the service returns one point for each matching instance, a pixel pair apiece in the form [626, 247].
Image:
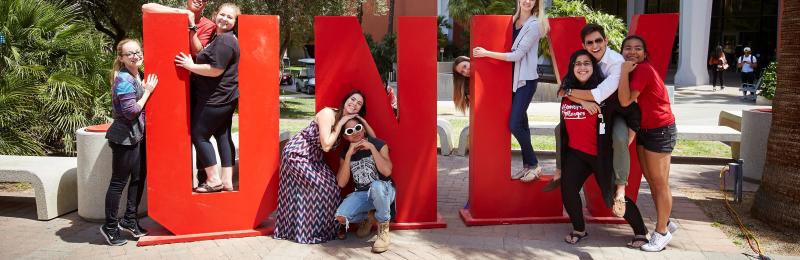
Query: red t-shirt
[581, 127]
[653, 97]
[205, 29]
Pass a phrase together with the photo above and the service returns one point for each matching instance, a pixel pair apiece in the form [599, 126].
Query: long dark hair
[570, 81]
[340, 111]
[718, 52]
[460, 86]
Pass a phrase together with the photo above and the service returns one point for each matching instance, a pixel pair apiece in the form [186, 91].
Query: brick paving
[70, 237]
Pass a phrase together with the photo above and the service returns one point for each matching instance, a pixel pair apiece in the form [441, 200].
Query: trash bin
[94, 174]
[755, 132]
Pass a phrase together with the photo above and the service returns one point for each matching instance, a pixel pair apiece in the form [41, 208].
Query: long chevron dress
[308, 194]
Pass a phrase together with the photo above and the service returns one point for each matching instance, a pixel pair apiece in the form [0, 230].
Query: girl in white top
[530, 24]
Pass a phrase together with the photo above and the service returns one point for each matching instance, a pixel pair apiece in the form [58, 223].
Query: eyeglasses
[596, 41]
[583, 64]
[133, 53]
[355, 129]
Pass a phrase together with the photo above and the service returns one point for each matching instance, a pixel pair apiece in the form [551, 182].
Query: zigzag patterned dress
[308, 194]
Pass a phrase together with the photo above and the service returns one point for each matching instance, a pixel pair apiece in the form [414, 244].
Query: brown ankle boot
[382, 243]
[365, 228]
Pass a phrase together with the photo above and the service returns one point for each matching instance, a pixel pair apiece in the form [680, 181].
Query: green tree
[463, 10]
[53, 77]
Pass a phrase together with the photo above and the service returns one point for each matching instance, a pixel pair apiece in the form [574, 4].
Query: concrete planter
[94, 175]
[762, 101]
[444, 86]
[755, 132]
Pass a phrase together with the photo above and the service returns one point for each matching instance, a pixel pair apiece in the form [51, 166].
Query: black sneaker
[112, 236]
[132, 226]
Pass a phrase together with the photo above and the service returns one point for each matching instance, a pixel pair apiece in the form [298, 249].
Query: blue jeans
[518, 123]
[379, 197]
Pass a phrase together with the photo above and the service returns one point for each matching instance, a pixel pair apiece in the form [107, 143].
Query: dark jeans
[127, 161]
[213, 121]
[749, 78]
[518, 122]
[577, 167]
[717, 74]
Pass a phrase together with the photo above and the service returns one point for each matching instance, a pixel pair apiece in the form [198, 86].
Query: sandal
[552, 185]
[521, 173]
[575, 235]
[532, 175]
[341, 232]
[637, 241]
[208, 189]
[619, 208]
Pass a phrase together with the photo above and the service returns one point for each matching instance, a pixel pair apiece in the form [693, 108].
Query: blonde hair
[460, 84]
[118, 63]
[541, 16]
[236, 10]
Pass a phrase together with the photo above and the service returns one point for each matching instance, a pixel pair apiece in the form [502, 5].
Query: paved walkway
[70, 237]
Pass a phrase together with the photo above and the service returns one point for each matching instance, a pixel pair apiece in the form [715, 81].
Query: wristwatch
[569, 92]
[193, 28]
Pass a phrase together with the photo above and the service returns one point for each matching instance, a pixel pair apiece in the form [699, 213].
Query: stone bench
[685, 132]
[54, 181]
[445, 132]
[732, 119]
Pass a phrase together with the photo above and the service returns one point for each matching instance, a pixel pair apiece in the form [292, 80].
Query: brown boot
[365, 228]
[382, 243]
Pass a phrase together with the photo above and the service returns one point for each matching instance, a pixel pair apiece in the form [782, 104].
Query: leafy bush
[463, 10]
[53, 77]
[614, 27]
[769, 81]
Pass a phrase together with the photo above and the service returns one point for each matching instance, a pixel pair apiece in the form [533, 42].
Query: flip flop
[638, 238]
[208, 189]
[574, 235]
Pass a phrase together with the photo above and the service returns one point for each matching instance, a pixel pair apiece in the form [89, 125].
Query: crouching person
[367, 161]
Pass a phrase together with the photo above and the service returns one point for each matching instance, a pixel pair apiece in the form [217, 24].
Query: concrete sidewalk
[70, 237]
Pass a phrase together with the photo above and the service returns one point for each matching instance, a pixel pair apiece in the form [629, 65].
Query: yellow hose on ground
[752, 241]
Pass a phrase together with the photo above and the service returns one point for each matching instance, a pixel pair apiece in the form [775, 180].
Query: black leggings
[213, 121]
[717, 74]
[577, 167]
[126, 161]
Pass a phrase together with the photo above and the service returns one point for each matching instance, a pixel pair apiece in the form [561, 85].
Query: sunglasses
[596, 41]
[355, 129]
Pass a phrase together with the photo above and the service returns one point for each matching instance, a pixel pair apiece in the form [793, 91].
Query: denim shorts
[659, 140]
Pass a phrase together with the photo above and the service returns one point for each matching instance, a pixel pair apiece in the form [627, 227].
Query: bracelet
[193, 28]
[569, 92]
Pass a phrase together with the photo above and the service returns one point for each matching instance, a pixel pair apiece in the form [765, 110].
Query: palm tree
[777, 201]
[53, 76]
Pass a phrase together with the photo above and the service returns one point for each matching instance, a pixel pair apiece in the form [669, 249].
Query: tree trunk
[390, 30]
[777, 201]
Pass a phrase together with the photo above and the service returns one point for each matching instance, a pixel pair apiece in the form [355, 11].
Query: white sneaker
[671, 226]
[657, 242]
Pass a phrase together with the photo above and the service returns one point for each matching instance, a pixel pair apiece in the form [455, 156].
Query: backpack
[739, 68]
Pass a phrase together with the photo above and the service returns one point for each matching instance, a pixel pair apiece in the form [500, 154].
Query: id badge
[602, 128]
